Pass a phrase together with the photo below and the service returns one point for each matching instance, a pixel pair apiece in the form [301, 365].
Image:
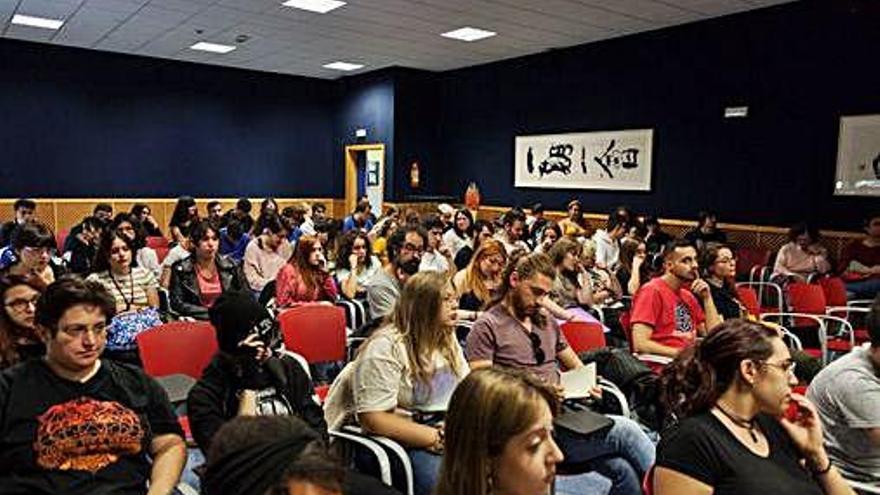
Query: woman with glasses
[719, 269]
[19, 339]
[400, 384]
[33, 244]
[477, 284]
[741, 430]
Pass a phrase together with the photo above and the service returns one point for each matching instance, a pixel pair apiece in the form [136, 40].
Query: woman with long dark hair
[634, 268]
[19, 339]
[731, 393]
[144, 256]
[355, 264]
[462, 232]
[305, 277]
[184, 217]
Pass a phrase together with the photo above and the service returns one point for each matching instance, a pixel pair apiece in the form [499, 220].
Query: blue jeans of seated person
[426, 470]
[863, 289]
[622, 453]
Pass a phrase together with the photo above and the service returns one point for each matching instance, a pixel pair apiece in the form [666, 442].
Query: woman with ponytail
[740, 428]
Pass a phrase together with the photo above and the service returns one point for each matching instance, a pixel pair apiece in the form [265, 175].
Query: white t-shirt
[454, 242]
[176, 254]
[432, 261]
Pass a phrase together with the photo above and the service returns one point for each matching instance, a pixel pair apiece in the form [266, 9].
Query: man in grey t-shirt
[405, 248]
[847, 396]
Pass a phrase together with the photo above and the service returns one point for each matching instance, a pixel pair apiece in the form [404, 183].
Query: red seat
[161, 253]
[157, 242]
[838, 305]
[584, 336]
[183, 347]
[834, 290]
[315, 331]
[810, 299]
[60, 239]
[748, 258]
[749, 298]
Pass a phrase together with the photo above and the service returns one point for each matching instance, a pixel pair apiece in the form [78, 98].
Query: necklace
[748, 424]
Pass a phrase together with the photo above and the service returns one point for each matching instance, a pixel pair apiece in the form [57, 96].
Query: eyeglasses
[78, 331]
[786, 366]
[125, 228]
[22, 303]
[540, 357]
[725, 260]
[413, 248]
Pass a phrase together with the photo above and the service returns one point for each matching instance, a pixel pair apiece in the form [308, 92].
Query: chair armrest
[609, 387]
[356, 436]
[653, 358]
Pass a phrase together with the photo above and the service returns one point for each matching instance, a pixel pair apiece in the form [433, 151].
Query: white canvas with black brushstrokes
[858, 156]
[612, 160]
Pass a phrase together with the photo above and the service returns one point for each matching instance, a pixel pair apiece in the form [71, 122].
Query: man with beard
[516, 332]
[405, 249]
[666, 316]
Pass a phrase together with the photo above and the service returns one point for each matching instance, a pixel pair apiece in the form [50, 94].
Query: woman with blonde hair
[499, 438]
[401, 381]
[475, 285]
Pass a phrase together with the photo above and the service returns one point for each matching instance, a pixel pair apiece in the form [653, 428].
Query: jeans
[622, 453]
[426, 470]
[583, 484]
[863, 289]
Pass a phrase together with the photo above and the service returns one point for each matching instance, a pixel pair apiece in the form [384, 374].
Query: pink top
[209, 288]
[792, 260]
[291, 289]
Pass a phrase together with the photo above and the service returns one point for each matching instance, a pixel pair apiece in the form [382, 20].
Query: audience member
[437, 256]
[199, 279]
[603, 285]
[718, 266]
[730, 393]
[103, 212]
[535, 223]
[549, 235]
[511, 236]
[279, 455]
[305, 278]
[461, 233]
[608, 240]
[234, 238]
[269, 205]
[100, 213]
[571, 287]
[405, 250]
[802, 256]
[214, 212]
[184, 217]
[143, 214]
[861, 262]
[242, 212]
[633, 268]
[359, 218]
[127, 226]
[666, 316]
[445, 211]
[267, 253]
[134, 290]
[380, 241]
[499, 437]
[248, 376]
[180, 251]
[846, 395]
[295, 216]
[75, 423]
[478, 283]
[706, 231]
[574, 224]
[19, 338]
[81, 247]
[356, 265]
[32, 245]
[655, 238]
[516, 332]
[25, 210]
[411, 364]
[482, 230]
[319, 212]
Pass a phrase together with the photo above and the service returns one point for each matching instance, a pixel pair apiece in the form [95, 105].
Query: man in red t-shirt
[666, 316]
[860, 262]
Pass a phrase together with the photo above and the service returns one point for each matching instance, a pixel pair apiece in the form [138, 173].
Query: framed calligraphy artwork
[858, 156]
[615, 160]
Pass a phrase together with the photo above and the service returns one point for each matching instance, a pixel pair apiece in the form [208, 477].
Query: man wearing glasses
[77, 424]
[518, 333]
[405, 249]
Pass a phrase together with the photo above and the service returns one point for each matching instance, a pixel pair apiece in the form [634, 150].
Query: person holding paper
[516, 332]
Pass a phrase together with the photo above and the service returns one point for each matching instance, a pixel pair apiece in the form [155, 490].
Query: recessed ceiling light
[319, 6]
[469, 34]
[212, 47]
[346, 66]
[40, 22]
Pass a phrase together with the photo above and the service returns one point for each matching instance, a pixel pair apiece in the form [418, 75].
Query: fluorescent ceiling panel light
[39, 22]
[319, 6]
[212, 47]
[469, 34]
[346, 66]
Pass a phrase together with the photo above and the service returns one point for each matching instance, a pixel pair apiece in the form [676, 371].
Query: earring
[490, 482]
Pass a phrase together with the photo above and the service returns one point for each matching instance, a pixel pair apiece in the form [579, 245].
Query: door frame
[351, 171]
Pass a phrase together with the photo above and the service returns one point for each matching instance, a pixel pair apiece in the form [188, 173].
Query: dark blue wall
[79, 123]
[798, 67]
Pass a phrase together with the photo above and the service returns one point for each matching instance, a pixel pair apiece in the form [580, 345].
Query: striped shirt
[129, 292]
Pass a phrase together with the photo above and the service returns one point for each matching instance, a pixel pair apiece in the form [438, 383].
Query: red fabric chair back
[625, 323]
[584, 336]
[806, 298]
[835, 291]
[747, 258]
[161, 253]
[749, 298]
[60, 238]
[314, 331]
[157, 242]
[184, 347]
